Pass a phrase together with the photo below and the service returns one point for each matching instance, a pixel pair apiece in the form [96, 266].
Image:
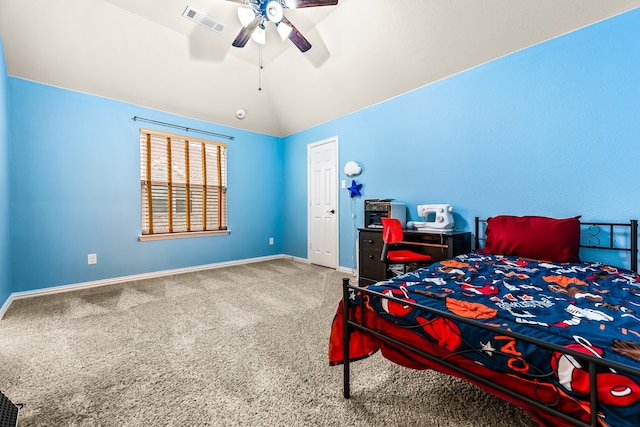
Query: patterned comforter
[588, 307]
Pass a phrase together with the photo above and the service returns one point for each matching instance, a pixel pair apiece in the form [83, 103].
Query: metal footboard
[593, 362]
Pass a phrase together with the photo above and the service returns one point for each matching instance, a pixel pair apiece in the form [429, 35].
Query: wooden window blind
[183, 184]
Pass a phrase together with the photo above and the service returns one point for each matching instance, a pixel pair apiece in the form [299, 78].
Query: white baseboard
[5, 306]
[86, 285]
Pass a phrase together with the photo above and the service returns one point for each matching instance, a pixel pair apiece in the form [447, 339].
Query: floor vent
[203, 19]
[8, 412]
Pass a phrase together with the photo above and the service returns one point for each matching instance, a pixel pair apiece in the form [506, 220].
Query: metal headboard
[591, 232]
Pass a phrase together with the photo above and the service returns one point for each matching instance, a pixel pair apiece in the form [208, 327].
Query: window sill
[166, 236]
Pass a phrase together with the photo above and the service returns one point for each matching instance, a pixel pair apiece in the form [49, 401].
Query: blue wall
[77, 191]
[5, 237]
[551, 130]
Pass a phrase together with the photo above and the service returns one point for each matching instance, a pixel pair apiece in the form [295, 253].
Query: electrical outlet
[271, 240]
[92, 259]
[343, 184]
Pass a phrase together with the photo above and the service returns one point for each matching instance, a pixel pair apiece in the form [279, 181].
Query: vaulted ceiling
[364, 52]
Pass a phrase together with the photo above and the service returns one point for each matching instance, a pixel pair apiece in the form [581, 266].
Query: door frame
[331, 140]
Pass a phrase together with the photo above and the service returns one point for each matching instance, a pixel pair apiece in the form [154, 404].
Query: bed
[524, 318]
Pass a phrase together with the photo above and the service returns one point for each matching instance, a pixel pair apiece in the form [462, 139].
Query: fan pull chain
[260, 67]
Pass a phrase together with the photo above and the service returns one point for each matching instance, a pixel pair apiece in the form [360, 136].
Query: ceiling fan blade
[296, 37]
[239, 1]
[245, 34]
[297, 4]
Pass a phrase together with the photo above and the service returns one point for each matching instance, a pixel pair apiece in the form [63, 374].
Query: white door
[323, 202]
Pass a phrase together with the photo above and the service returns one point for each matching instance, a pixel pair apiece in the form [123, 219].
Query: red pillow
[536, 237]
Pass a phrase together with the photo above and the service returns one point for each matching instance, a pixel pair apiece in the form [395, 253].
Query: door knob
[332, 211]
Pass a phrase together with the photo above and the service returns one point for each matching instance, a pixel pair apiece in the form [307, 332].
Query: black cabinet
[370, 268]
[439, 245]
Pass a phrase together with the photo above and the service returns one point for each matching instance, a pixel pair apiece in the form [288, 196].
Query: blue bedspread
[588, 307]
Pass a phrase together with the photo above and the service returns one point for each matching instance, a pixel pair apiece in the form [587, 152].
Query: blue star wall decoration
[355, 188]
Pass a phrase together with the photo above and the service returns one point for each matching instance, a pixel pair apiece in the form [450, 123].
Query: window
[183, 186]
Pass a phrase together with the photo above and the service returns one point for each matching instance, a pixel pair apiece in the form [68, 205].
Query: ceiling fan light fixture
[274, 11]
[246, 15]
[259, 35]
[263, 11]
[284, 30]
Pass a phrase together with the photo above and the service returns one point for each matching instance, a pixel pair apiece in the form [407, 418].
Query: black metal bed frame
[594, 229]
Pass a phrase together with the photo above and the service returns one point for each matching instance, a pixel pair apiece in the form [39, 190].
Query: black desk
[439, 245]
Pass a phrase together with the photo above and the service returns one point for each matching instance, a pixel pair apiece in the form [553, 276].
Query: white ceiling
[364, 52]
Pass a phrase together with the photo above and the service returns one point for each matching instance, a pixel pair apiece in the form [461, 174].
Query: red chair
[392, 234]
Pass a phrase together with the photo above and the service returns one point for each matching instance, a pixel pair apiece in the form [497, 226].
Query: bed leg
[345, 336]
[634, 245]
[593, 394]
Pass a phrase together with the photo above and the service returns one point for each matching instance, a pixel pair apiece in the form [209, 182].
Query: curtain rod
[155, 122]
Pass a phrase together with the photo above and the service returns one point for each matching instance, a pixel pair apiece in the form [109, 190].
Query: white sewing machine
[436, 217]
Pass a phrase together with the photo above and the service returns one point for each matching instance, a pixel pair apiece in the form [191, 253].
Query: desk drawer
[370, 265]
[427, 238]
[371, 240]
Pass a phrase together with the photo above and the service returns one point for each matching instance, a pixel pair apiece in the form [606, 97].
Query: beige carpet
[235, 346]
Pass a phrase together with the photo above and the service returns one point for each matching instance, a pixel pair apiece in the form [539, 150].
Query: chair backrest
[391, 231]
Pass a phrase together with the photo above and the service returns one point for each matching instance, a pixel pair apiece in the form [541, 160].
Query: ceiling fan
[259, 12]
